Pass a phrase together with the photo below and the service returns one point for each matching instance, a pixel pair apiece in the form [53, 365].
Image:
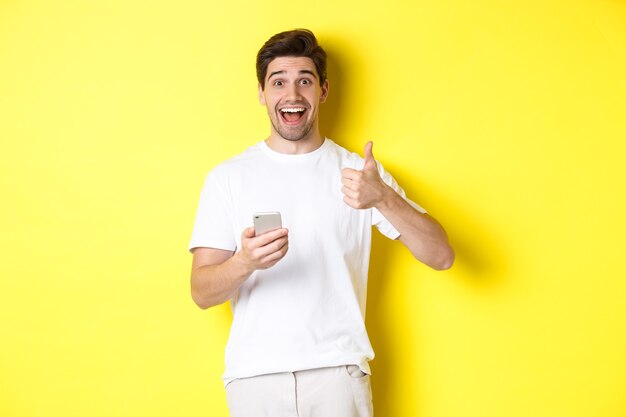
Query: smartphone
[265, 222]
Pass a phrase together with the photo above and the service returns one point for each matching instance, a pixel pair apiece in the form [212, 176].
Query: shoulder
[348, 158]
[237, 163]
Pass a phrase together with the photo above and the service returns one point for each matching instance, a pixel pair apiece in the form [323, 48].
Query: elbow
[201, 296]
[444, 264]
[444, 261]
[203, 306]
[206, 300]
[201, 300]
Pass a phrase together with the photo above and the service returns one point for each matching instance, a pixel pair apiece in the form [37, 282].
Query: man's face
[292, 96]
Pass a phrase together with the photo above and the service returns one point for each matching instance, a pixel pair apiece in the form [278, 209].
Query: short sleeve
[213, 224]
[378, 219]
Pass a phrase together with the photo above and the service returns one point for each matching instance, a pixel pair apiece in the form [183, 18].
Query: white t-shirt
[308, 310]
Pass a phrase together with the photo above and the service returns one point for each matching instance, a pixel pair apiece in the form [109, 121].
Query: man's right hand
[263, 251]
[217, 274]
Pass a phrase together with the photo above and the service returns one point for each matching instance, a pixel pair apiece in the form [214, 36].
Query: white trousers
[341, 391]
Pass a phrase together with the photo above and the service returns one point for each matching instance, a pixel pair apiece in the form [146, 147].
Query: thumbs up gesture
[363, 189]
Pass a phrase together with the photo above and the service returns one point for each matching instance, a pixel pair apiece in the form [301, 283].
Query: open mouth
[292, 115]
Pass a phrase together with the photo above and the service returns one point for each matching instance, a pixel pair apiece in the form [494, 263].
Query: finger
[352, 203]
[351, 174]
[276, 245]
[370, 162]
[349, 193]
[267, 255]
[272, 259]
[268, 237]
[263, 251]
[277, 254]
[351, 184]
[273, 235]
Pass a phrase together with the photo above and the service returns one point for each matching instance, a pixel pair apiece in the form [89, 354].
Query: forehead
[291, 64]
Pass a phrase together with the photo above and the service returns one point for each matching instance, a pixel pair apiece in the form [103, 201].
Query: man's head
[293, 43]
[291, 67]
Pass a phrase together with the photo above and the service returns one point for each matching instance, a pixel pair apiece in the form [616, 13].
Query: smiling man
[298, 344]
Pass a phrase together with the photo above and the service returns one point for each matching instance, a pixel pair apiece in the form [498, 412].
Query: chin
[295, 136]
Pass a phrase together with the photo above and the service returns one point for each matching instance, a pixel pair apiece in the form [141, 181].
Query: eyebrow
[299, 72]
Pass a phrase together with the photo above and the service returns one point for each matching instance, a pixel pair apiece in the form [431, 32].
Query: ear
[324, 94]
[261, 95]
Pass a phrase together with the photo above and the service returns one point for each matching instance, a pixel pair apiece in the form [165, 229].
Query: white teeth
[293, 110]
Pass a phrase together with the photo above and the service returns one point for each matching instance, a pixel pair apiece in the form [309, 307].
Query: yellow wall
[505, 119]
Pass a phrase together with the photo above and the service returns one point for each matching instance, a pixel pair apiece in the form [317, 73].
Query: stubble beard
[293, 135]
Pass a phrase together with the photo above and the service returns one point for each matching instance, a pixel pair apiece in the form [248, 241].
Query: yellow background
[506, 120]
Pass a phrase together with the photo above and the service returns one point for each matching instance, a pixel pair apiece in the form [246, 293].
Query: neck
[293, 147]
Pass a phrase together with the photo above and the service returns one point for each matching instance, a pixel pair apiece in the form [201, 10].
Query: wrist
[243, 268]
[388, 196]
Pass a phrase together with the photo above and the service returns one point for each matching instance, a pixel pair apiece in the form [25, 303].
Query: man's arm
[217, 274]
[420, 233]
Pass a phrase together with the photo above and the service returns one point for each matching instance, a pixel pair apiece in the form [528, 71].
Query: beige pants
[342, 391]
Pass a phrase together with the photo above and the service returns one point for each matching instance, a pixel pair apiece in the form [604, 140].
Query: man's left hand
[363, 189]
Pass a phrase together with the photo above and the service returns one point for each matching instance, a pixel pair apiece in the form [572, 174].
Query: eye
[305, 81]
[277, 83]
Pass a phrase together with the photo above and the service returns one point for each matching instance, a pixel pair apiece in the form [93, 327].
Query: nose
[293, 92]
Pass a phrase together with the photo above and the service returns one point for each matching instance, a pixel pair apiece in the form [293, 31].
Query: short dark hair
[295, 43]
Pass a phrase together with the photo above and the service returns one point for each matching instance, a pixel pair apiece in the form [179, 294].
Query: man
[298, 344]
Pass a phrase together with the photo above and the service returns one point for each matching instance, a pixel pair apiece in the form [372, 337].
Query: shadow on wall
[482, 272]
[479, 253]
[331, 111]
[384, 369]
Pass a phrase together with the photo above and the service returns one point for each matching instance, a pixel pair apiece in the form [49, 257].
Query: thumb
[248, 232]
[370, 162]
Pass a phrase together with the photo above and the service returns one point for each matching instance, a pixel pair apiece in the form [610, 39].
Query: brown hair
[295, 43]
